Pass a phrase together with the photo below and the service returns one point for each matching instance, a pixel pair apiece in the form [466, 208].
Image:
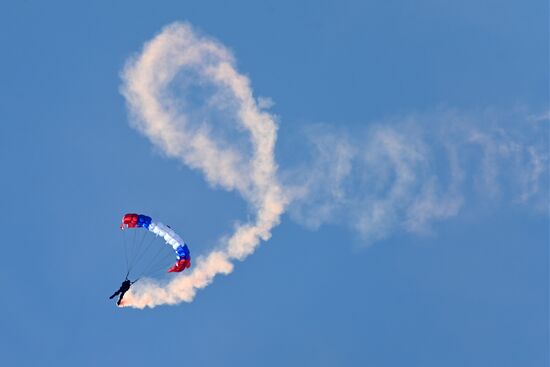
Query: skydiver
[124, 287]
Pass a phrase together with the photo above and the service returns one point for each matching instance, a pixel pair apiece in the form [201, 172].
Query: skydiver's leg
[115, 294]
[120, 298]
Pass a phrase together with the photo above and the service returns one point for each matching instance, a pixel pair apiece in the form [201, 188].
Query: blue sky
[412, 147]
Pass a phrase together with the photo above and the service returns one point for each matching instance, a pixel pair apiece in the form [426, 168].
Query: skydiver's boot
[114, 295]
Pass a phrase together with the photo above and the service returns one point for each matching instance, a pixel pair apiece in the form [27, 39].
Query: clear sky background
[468, 288]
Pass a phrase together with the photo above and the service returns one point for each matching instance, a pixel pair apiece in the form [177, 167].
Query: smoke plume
[179, 87]
[186, 96]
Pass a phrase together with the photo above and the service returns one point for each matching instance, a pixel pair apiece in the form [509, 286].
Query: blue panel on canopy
[183, 252]
[144, 221]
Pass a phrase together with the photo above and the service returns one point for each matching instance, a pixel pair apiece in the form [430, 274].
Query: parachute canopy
[183, 255]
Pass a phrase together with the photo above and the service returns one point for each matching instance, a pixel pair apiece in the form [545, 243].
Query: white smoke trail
[187, 97]
[409, 172]
[159, 85]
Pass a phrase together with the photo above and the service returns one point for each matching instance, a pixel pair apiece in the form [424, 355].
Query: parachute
[179, 247]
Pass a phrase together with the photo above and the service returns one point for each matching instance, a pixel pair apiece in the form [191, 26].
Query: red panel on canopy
[180, 265]
[129, 220]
